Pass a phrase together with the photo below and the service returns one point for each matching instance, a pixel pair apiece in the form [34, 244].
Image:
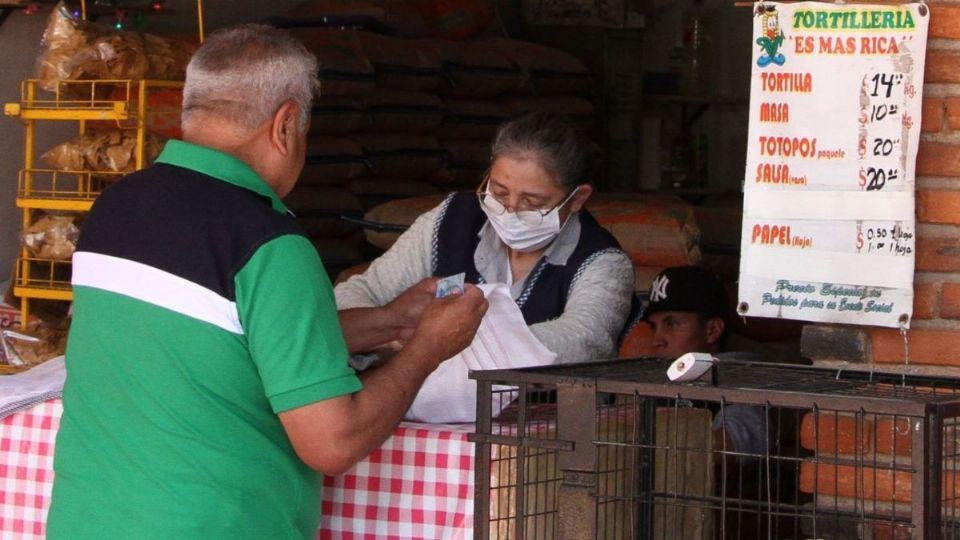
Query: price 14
[883, 84]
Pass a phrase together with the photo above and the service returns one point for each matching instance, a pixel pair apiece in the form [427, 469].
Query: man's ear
[584, 192]
[283, 127]
[714, 330]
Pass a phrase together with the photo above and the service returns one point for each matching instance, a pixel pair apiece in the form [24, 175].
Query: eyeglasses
[531, 216]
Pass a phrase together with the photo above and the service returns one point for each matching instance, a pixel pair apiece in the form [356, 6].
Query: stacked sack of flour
[410, 110]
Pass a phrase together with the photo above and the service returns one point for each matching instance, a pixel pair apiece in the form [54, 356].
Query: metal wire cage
[613, 450]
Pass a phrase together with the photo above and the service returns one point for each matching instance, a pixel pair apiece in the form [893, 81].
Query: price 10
[878, 112]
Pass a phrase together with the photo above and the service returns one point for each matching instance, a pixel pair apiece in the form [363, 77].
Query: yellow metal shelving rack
[122, 102]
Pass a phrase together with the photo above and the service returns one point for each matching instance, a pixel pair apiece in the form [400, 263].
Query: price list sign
[828, 227]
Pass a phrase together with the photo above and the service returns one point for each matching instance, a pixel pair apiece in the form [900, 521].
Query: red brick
[942, 67]
[894, 437]
[932, 118]
[950, 301]
[952, 105]
[938, 159]
[925, 301]
[867, 483]
[847, 435]
[933, 347]
[938, 206]
[888, 531]
[944, 21]
[833, 433]
[938, 254]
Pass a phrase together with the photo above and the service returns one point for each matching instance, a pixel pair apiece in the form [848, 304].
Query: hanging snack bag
[51, 237]
[104, 151]
[79, 50]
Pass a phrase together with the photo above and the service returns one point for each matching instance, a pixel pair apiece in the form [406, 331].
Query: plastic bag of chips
[51, 237]
[103, 150]
[79, 50]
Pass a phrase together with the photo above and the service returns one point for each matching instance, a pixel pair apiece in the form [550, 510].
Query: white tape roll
[690, 366]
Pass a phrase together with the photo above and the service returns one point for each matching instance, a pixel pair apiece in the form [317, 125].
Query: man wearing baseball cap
[688, 312]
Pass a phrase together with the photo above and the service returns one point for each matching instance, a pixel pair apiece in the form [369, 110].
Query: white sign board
[828, 227]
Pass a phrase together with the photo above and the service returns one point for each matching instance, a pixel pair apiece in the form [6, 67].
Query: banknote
[362, 361]
[450, 284]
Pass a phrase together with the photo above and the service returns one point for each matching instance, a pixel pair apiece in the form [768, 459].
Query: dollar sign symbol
[862, 148]
[859, 241]
[863, 177]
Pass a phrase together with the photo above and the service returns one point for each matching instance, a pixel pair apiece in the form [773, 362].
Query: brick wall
[934, 337]
[863, 462]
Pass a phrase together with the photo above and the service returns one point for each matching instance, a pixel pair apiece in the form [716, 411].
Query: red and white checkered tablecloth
[26, 469]
[419, 484]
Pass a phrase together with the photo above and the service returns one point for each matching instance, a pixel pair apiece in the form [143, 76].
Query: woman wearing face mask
[525, 226]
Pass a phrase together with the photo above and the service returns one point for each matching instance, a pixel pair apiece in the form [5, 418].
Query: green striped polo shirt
[200, 312]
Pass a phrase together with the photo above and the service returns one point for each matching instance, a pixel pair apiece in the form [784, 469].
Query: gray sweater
[597, 304]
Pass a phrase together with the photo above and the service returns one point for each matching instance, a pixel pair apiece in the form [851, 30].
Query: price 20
[874, 179]
[884, 147]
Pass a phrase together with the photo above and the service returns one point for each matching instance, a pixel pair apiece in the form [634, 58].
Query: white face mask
[518, 234]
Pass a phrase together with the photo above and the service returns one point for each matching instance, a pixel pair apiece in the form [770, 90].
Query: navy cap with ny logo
[688, 288]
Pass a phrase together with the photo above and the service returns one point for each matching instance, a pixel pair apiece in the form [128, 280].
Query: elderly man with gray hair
[207, 380]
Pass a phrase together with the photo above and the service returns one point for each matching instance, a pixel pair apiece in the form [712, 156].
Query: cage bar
[614, 450]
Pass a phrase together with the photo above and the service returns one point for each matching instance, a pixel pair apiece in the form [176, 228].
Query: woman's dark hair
[555, 145]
